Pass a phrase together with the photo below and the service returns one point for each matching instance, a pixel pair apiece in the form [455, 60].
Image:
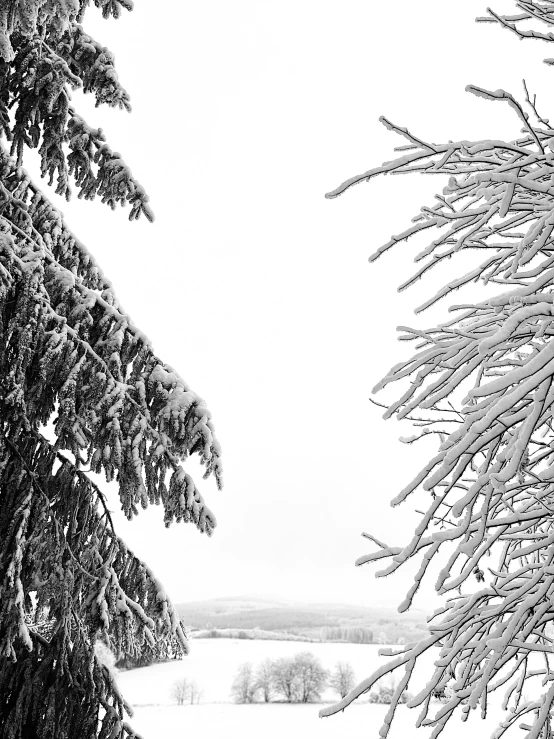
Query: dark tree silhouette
[71, 355]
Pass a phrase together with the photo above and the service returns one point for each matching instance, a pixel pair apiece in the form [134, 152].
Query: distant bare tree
[194, 692]
[180, 690]
[285, 678]
[385, 693]
[311, 676]
[244, 687]
[265, 679]
[342, 679]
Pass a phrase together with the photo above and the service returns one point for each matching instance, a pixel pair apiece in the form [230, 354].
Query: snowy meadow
[213, 663]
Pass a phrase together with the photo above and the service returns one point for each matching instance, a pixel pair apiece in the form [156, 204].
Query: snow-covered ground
[295, 721]
[212, 663]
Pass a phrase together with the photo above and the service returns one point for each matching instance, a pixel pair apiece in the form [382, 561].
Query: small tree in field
[342, 679]
[312, 677]
[385, 693]
[482, 383]
[71, 356]
[264, 679]
[285, 678]
[244, 686]
[195, 693]
[180, 691]
[186, 691]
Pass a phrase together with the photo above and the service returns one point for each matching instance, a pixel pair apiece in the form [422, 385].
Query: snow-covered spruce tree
[483, 382]
[69, 353]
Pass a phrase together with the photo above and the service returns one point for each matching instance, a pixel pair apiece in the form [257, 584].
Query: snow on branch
[533, 10]
[485, 379]
[68, 347]
[44, 53]
[127, 388]
[70, 355]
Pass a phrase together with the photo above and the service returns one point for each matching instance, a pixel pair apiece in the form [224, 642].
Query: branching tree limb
[486, 377]
[532, 10]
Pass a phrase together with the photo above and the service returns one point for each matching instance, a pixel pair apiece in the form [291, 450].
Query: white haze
[258, 290]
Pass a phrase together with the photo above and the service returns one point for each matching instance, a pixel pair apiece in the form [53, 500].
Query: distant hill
[327, 621]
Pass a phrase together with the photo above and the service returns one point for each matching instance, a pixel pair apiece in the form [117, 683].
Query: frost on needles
[43, 53]
[68, 351]
[483, 384]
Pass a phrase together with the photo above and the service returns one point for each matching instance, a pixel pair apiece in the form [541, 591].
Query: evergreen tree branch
[67, 581]
[41, 62]
[111, 315]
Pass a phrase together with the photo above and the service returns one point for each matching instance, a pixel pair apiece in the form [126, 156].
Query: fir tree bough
[69, 352]
[483, 383]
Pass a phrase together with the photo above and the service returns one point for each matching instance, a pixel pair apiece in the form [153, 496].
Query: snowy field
[295, 721]
[212, 663]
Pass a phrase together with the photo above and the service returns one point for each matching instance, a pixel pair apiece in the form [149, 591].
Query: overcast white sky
[258, 290]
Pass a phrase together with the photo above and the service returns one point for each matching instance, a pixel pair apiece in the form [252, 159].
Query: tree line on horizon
[352, 634]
